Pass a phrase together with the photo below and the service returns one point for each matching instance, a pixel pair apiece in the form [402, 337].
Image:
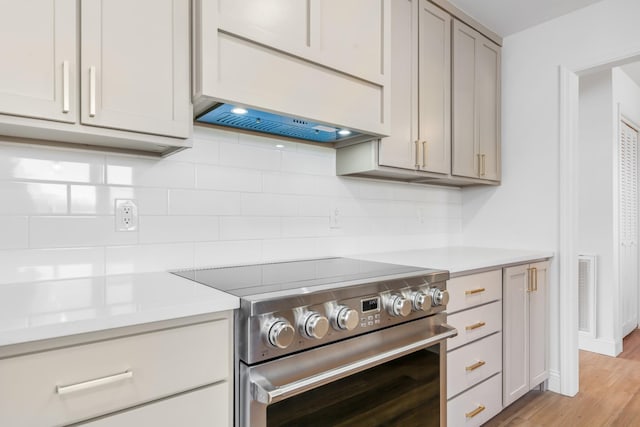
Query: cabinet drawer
[468, 365]
[161, 363]
[467, 409]
[475, 289]
[205, 407]
[475, 323]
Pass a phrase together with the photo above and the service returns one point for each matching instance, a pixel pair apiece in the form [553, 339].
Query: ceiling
[507, 17]
[633, 71]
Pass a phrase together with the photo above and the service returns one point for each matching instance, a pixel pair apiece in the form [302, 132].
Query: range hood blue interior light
[274, 124]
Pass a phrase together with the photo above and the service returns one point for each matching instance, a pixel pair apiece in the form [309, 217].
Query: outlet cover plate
[126, 215]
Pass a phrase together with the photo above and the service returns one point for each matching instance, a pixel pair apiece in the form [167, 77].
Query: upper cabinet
[122, 81]
[476, 104]
[38, 51]
[445, 103]
[421, 101]
[322, 60]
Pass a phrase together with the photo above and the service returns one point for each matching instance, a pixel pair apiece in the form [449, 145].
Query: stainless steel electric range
[337, 341]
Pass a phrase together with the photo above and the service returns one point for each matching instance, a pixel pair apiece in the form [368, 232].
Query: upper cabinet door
[476, 105]
[135, 65]
[400, 149]
[38, 51]
[434, 75]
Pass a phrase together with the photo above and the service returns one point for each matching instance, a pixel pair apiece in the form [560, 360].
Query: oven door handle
[265, 392]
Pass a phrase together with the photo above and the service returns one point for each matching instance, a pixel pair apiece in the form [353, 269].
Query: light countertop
[459, 260]
[54, 309]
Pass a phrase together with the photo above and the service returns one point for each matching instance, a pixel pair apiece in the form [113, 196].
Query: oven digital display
[370, 304]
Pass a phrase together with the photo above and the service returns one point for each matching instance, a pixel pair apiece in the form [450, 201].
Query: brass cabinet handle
[65, 86]
[475, 412]
[474, 291]
[535, 279]
[424, 154]
[417, 153]
[475, 366]
[475, 326]
[92, 91]
[484, 171]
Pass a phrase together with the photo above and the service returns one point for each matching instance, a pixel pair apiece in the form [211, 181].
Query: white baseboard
[604, 346]
[554, 381]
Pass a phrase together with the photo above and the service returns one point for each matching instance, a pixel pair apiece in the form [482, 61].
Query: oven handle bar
[265, 392]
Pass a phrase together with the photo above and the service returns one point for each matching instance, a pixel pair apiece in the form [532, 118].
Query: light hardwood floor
[609, 395]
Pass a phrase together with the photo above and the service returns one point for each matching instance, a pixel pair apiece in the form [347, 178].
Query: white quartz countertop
[458, 260]
[54, 309]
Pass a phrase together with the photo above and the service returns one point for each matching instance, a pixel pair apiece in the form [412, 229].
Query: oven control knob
[346, 318]
[280, 333]
[439, 297]
[399, 306]
[421, 301]
[315, 325]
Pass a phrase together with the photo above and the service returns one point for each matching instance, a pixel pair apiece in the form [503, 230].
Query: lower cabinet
[478, 405]
[173, 369]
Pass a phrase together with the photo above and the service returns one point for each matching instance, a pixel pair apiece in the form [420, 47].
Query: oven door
[391, 377]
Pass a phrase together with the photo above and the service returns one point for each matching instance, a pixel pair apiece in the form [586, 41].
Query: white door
[628, 225]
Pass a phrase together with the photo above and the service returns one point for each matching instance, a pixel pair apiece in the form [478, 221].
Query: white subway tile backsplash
[100, 200]
[77, 231]
[146, 258]
[233, 199]
[248, 156]
[19, 198]
[31, 163]
[216, 254]
[141, 172]
[201, 202]
[14, 232]
[46, 264]
[177, 228]
[228, 179]
[250, 227]
[260, 204]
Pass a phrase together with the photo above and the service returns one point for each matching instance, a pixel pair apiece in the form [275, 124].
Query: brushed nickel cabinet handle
[92, 91]
[65, 86]
[475, 366]
[85, 385]
[474, 291]
[475, 326]
[475, 412]
[424, 153]
[484, 171]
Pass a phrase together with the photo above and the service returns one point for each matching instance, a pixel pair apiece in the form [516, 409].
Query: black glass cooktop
[247, 280]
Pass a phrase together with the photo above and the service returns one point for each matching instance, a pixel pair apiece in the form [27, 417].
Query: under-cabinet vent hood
[291, 127]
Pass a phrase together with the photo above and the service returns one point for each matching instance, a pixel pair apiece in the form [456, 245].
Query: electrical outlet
[334, 218]
[126, 215]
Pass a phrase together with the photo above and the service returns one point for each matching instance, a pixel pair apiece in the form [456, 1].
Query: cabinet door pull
[529, 280]
[424, 153]
[65, 86]
[475, 366]
[479, 164]
[475, 412]
[85, 385]
[474, 291]
[535, 279]
[417, 153]
[484, 171]
[92, 91]
[475, 326]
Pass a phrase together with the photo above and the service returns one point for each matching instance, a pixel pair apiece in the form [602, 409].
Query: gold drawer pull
[476, 365]
[474, 291]
[475, 326]
[475, 412]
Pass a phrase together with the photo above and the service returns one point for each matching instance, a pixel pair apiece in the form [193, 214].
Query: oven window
[403, 392]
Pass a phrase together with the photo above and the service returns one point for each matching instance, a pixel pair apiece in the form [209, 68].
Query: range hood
[253, 120]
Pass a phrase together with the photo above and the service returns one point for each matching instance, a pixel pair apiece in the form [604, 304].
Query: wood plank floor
[609, 395]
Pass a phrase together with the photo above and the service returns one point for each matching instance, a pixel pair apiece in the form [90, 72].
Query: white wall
[527, 205]
[231, 199]
[596, 198]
